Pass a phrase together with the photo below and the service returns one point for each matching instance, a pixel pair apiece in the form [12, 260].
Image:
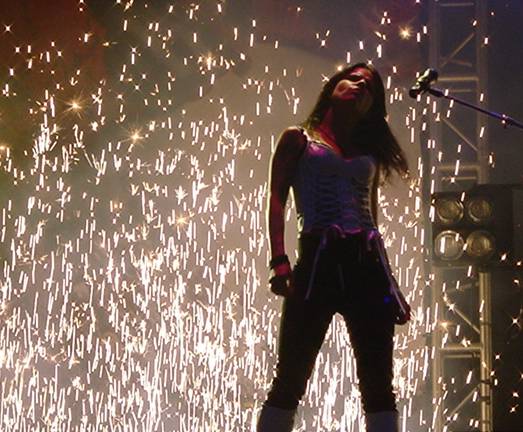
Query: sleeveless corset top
[330, 190]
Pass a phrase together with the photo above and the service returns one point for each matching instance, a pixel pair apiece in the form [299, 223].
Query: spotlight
[479, 210]
[449, 245]
[481, 244]
[449, 210]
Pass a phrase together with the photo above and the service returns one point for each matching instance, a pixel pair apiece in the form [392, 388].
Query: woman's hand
[403, 308]
[281, 281]
[403, 315]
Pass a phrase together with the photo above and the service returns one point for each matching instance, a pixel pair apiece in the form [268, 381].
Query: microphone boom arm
[505, 119]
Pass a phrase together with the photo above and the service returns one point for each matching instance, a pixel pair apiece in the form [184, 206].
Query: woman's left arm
[374, 195]
[404, 307]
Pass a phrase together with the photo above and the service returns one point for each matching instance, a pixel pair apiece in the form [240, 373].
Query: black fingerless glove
[280, 284]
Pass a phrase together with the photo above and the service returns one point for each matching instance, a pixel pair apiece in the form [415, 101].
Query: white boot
[274, 419]
[383, 421]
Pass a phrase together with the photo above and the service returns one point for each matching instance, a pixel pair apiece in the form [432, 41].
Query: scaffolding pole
[457, 50]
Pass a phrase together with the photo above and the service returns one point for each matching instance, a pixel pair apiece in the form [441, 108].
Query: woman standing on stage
[334, 164]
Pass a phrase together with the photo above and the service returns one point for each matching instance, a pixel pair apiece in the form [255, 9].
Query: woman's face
[355, 88]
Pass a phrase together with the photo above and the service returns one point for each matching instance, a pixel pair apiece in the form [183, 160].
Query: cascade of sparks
[133, 289]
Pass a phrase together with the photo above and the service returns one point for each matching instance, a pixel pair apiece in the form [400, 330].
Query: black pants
[351, 280]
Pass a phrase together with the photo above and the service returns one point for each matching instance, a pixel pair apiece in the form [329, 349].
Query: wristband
[277, 260]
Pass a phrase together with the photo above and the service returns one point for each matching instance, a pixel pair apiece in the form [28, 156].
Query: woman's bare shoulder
[292, 140]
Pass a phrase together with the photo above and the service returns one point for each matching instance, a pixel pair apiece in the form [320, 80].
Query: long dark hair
[372, 134]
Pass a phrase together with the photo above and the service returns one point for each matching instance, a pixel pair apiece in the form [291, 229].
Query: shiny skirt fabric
[346, 270]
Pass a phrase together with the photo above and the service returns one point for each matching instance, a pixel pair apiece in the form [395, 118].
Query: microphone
[423, 83]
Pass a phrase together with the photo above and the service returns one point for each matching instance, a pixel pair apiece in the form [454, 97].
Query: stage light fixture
[479, 226]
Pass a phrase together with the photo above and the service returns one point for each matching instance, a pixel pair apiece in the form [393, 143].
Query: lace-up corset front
[330, 190]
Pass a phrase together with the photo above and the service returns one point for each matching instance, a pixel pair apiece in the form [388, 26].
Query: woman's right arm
[283, 167]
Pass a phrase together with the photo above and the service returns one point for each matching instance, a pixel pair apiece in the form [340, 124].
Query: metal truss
[459, 158]
[458, 51]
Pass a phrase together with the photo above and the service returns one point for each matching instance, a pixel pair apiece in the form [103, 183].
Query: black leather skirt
[344, 269]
